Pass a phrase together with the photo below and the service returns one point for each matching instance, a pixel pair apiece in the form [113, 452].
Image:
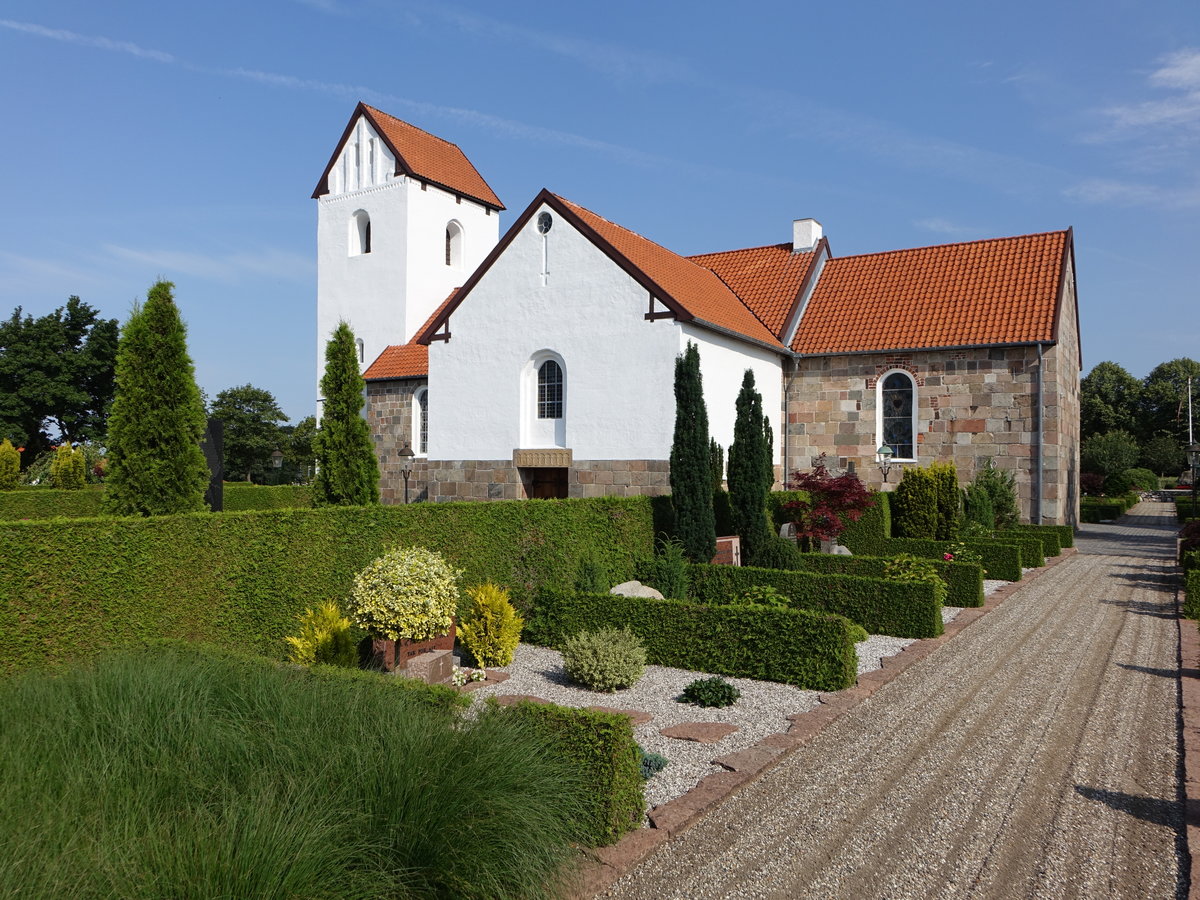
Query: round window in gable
[544, 222]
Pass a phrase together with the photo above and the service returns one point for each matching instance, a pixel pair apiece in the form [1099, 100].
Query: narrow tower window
[550, 391]
[360, 233]
[454, 240]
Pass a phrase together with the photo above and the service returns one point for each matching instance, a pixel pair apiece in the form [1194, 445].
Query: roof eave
[941, 348]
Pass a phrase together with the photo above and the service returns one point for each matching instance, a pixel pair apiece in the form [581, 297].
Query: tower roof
[420, 155]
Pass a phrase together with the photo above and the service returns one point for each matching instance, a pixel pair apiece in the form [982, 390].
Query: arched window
[897, 416]
[362, 349]
[420, 443]
[360, 233]
[454, 241]
[550, 390]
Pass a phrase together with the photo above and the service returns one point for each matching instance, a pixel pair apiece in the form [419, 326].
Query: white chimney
[805, 234]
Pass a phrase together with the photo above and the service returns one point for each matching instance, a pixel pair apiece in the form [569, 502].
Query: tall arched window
[360, 233]
[362, 349]
[454, 241]
[420, 443]
[897, 416]
[550, 390]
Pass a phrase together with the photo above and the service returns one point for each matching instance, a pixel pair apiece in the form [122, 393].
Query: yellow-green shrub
[324, 638]
[68, 471]
[10, 465]
[409, 592]
[491, 628]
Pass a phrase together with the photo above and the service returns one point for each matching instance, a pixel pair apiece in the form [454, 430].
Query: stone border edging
[606, 864]
[1189, 714]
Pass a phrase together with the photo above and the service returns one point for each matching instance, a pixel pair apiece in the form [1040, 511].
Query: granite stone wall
[499, 479]
[389, 416]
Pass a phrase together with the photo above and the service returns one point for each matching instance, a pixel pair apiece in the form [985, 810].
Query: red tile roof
[409, 360]
[420, 155]
[692, 286]
[999, 291]
[767, 279]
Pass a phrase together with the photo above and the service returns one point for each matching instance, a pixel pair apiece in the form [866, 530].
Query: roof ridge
[380, 112]
[781, 245]
[1014, 237]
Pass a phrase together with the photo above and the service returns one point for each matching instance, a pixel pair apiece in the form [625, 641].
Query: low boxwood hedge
[1050, 538]
[1065, 533]
[239, 580]
[792, 646]
[897, 608]
[999, 560]
[964, 581]
[1191, 594]
[1184, 509]
[601, 746]
[1032, 553]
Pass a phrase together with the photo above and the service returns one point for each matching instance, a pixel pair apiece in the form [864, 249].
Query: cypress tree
[155, 465]
[750, 471]
[691, 462]
[347, 470]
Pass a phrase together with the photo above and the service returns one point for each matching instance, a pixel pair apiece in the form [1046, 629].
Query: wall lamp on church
[884, 457]
[406, 466]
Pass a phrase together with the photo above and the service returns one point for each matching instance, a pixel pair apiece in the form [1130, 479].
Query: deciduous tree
[251, 418]
[1109, 399]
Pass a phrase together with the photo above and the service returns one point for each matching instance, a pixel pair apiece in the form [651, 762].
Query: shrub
[867, 536]
[763, 595]
[858, 634]
[1002, 560]
[1091, 484]
[710, 692]
[592, 576]
[691, 461]
[1191, 594]
[964, 581]
[650, 763]
[68, 472]
[667, 572]
[607, 660]
[776, 553]
[491, 629]
[750, 470]
[978, 514]
[324, 639]
[915, 505]
[1141, 479]
[821, 505]
[599, 746]
[1109, 453]
[1001, 486]
[906, 567]
[1189, 537]
[267, 781]
[408, 593]
[10, 465]
[792, 646]
[949, 499]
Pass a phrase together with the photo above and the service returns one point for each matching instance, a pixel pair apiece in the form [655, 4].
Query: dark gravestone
[213, 445]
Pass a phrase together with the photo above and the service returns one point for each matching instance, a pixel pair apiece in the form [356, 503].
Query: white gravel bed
[762, 709]
[950, 613]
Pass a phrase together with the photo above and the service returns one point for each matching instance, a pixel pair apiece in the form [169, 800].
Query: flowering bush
[463, 676]
[833, 502]
[409, 592]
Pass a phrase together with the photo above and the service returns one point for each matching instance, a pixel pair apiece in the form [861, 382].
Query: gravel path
[1035, 755]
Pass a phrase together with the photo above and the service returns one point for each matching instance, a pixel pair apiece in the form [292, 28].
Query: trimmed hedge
[1066, 534]
[999, 560]
[1050, 539]
[1100, 510]
[868, 536]
[46, 503]
[964, 581]
[1191, 598]
[792, 646]
[896, 608]
[1033, 555]
[239, 580]
[240, 496]
[601, 746]
[1184, 509]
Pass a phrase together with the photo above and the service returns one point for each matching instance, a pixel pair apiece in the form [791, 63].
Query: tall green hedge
[792, 646]
[897, 608]
[915, 505]
[964, 581]
[602, 748]
[72, 587]
[46, 503]
[1191, 594]
[1000, 560]
[868, 536]
[240, 496]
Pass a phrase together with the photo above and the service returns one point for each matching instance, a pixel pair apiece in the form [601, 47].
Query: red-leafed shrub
[1092, 484]
[833, 502]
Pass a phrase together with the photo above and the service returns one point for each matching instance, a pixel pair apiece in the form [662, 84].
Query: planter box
[388, 655]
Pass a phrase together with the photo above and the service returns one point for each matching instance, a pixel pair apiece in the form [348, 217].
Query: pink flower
[947, 556]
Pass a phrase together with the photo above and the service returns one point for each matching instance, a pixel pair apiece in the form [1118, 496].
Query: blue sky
[184, 141]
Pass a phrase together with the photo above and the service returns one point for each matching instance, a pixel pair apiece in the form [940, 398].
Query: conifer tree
[749, 465]
[347, 470]
[691, 462]
[155, 464]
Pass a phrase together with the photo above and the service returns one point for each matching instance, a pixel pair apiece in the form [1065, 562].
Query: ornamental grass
[186, 775]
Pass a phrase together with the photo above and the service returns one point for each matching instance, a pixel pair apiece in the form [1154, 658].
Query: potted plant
[406, 600]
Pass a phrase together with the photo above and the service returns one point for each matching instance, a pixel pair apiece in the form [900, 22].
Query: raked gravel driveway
[1033, 756]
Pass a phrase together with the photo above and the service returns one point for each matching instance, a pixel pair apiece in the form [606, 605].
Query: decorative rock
[635, 589]
[638, 716]
[432, 668]
[700, 732]
[514, 699]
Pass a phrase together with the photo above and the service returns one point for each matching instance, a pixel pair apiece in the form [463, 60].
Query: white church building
[541, 363]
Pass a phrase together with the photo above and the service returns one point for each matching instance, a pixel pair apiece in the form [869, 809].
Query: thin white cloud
[275, 264]
[938, 225]
[1178, 71]
[1114, 192]
[87, 40]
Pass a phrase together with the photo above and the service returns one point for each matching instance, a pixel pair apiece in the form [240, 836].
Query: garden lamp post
[1193, 452]
[276, 459]
[884, 454]
[406, 458]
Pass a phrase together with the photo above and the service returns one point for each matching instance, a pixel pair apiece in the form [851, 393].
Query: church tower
[403, 218]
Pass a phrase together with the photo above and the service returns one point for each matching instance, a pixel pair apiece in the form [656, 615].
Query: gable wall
[972, 405]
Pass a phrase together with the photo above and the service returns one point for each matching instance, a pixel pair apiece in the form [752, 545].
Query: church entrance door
[545, 484]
